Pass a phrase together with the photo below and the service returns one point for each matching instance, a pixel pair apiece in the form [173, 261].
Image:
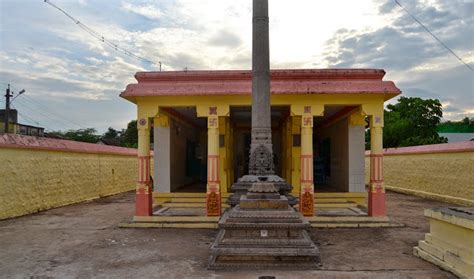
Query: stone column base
[376, 202]
[143, 204]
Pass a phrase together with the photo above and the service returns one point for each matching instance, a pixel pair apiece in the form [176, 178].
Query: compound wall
[442, 172]
[41, 173]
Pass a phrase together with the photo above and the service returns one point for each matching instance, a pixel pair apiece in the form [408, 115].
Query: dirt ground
[83, 241]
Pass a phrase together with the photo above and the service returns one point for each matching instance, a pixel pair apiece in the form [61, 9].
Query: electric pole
[7, 108]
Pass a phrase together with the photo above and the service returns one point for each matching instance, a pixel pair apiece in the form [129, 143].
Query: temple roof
[239, 82]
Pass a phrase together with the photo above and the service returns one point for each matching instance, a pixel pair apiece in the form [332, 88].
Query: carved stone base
[263, 232]
[245, 182]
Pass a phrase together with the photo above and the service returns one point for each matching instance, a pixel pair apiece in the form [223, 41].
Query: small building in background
[16, 128]
[112, 142]
[457, 137]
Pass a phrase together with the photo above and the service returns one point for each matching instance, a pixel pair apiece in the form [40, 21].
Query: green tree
[412, 121]
[111, 134]
[130, 135]
[84, 135]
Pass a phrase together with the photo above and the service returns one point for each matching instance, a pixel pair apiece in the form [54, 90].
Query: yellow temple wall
[443, 172]
[37, 178]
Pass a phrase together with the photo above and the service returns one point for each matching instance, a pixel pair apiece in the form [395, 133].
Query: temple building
[198, 124]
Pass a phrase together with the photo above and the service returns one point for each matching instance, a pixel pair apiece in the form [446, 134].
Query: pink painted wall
[431, 148]
[49, 144]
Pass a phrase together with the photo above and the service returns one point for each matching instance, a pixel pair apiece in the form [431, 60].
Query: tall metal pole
[261, 109]
[7, 108]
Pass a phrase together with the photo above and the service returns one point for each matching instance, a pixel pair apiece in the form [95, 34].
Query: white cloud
[216, 34]
[148, 11]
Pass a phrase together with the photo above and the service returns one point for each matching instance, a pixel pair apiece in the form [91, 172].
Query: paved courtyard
[83, 241]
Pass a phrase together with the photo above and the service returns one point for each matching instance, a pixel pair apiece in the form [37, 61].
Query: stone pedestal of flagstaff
[263, 231]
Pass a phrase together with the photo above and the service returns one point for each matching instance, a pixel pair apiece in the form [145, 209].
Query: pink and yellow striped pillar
[213, 193]
[376, 195]
[306, 171]
[143, 202]
[213, 196]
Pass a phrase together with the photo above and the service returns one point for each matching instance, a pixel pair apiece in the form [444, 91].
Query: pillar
[296, 154]
[224, 154]
[162, 154]
[356, 152]
[376, 195]
[143, 201]
[306, 165]
[213, 196]
[213, 193]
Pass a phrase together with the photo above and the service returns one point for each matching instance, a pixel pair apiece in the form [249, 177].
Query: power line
[44, 111]
[434, 36]
[41, 112]
[102, 38]
[31, 101]
[29, 119]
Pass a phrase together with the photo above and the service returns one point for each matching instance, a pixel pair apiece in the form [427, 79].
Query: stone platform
[450, 242]
[186, 210]
[262, 232]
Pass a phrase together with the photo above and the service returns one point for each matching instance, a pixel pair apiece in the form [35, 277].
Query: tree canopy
[130, 135]
[84, 135]
[126, 137]
[412, 121]
[464, 126]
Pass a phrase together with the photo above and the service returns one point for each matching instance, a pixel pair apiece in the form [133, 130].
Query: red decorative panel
[213, 110]
[213, 204]
[143, 204]
[143, 201]
[308, 121]
[143, 169]
[306, 174]
[213, 168]
[376, 201]
[376, 167]
[307, 203]
[213, 122]
[213, 200]
[376, 195]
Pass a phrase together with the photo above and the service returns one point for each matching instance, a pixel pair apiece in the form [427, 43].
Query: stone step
[224, 205]
[333, 205]
[184, 195]
[169, 225]
[223, 199]
[189, 205]
[201, 200]
[309, 250]
[178, 219]
[210, 222]
[296, 264]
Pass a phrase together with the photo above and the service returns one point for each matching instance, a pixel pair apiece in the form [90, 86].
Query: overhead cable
[98, 36]
[434, 36]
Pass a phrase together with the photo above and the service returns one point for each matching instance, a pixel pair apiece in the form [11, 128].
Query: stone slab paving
[83, 241]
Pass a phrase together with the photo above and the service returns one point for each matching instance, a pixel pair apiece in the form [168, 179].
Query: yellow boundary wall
[39, 174]
[443, 172]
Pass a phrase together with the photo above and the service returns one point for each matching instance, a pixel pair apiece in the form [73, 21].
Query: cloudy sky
[73, 80]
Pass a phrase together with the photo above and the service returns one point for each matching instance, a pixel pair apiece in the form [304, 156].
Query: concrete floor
[83, 241]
